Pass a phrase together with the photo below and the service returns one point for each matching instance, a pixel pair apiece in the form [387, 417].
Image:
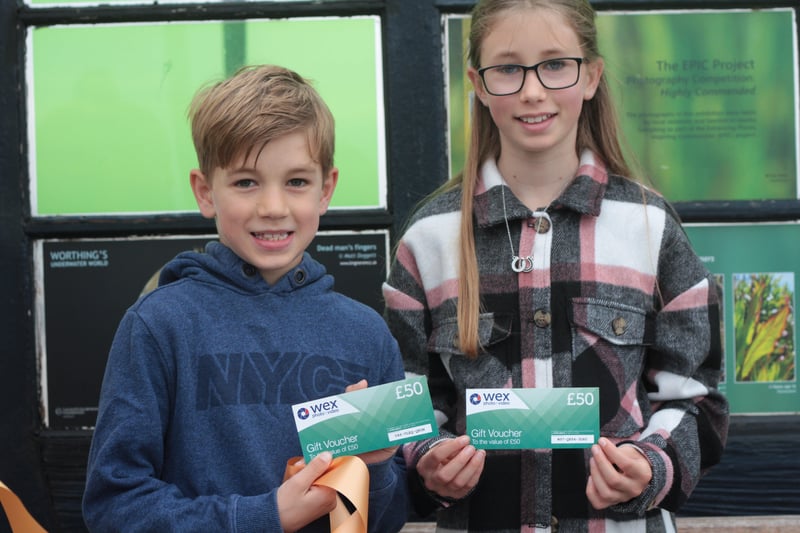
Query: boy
[195, 427]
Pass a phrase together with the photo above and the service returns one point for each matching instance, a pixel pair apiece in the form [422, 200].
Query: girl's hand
[452, 467]
[617, 474]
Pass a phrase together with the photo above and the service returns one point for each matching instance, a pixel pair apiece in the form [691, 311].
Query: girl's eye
[554, 64]
[508, 70]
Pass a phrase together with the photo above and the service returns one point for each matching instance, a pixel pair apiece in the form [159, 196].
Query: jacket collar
[584, 195]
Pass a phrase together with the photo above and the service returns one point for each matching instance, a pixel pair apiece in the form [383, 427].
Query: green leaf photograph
[764, 327]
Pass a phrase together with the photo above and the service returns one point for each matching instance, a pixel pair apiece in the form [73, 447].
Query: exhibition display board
[758, 281]
[86, 285]
[707, 99]
[108, 106]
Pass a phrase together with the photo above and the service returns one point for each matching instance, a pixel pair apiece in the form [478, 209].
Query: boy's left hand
[617, 474]
[376, 456]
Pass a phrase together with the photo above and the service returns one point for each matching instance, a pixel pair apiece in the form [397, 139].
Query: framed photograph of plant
[763, 324]
[756, 266]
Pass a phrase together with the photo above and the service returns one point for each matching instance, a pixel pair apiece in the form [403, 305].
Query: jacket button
[619, 325]
[299, 276]
[249, 270]
[541, 224]
[541, 318]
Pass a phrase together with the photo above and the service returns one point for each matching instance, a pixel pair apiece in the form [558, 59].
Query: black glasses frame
[535, 68]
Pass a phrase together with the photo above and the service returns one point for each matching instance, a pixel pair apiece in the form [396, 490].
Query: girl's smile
[535, 123]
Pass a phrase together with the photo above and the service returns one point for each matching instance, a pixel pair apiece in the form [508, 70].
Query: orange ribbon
[18, 517]
[349, 477]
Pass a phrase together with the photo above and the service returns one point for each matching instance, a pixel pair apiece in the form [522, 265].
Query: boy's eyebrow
[241, 168]
[311, 166]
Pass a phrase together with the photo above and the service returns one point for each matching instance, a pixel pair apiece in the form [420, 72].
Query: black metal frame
[45, 467]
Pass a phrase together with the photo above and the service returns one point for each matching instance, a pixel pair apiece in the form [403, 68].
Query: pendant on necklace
[518, 264]
[521, 264]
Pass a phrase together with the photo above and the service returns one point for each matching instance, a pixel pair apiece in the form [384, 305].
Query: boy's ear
[328, 186]
[201, 187]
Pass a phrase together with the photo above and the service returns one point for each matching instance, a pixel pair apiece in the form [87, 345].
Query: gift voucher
[509, 419]
[365, 420]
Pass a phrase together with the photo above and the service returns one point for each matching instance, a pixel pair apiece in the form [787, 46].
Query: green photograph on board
[707, 99]
[108, 106]
[763, 322]
[756, 266]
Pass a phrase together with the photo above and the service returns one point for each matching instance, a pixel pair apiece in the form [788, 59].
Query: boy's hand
[375, 456]
[617, 474]
[356, 386]
[300, 502]
[452, 467]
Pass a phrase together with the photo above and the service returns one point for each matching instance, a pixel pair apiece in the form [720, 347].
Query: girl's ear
[477, 85]
[328, 186]
[593, 72]
[201, 187]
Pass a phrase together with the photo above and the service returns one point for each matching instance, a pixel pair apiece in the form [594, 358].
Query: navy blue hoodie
[195, 425]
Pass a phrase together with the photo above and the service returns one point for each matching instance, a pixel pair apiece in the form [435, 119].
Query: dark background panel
[89, 284]
[46, 467]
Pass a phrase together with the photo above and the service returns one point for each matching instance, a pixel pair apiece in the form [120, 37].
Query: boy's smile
[267, 208]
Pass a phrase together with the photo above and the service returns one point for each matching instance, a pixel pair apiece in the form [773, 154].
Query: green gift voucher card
[365, 420]
[511, 419]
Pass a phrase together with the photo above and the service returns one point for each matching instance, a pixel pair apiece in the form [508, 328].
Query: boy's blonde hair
[238, 116]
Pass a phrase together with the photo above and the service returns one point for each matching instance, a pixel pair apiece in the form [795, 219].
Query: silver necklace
[518, 264]
[524, 264]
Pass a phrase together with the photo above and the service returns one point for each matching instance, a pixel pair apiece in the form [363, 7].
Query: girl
[542, 265]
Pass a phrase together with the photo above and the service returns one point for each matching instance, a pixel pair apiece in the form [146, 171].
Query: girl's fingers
[451, 468]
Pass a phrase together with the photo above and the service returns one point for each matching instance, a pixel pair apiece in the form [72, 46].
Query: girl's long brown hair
[597, 131]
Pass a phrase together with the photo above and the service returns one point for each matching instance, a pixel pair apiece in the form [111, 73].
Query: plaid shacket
[617, 299]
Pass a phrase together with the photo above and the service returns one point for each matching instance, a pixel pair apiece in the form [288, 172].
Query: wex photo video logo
[314, 410]
[311, 413]
[490, 398]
